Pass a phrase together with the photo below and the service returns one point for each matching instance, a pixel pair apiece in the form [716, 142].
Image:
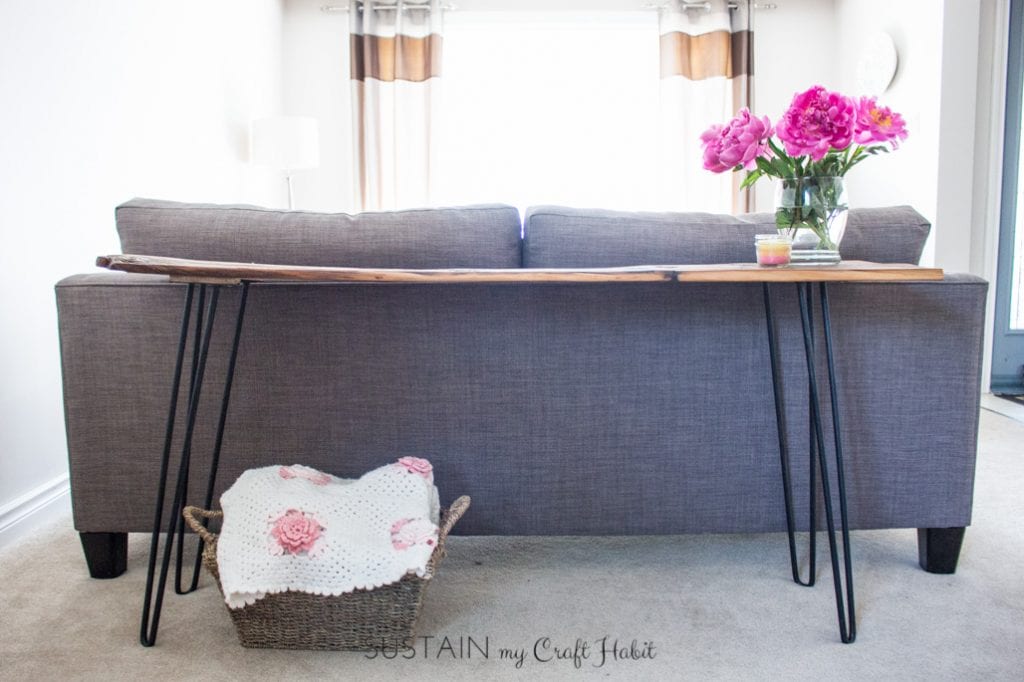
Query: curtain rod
[706, 6]
[331, 9]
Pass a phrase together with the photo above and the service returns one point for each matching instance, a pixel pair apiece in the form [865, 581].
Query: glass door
[1008, 339]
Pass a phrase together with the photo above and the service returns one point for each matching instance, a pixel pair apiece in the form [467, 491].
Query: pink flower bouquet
[819, 138]
[821, 134]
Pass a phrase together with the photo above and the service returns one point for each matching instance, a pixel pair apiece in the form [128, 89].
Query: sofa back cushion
[893, 234]
[485, 236]
[558, 237]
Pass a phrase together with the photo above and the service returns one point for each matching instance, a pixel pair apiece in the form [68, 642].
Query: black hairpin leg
[840, 477]
[215, 460]
[844, 607]
[204, 331]
[147, 634]
[186, 461]
[787, 490]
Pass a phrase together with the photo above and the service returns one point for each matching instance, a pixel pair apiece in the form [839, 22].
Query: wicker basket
[354, 621]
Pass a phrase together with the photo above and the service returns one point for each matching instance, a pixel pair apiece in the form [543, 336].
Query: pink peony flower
[417, 465]
[817, 122]
[295, 532]
[308, 473]
[737, 143]
[878, 124]
[408, 532]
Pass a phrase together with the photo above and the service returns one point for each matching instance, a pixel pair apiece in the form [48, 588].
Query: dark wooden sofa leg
[106, 553]
[938, 549]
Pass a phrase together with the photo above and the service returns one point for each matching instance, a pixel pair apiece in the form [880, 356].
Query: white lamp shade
[285, 142]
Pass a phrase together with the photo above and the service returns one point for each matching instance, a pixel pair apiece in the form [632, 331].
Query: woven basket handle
[192, 518]
[453, 514]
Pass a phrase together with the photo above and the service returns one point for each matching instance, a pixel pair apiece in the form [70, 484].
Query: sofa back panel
[466, 237]
[568, 237]
[561, 409]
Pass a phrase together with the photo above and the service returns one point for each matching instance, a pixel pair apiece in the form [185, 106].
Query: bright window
[552, 108]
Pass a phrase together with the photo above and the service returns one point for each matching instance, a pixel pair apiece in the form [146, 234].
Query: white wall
[936, 88]
[316, 83]
[910, 174]
[104, 101]
[794, 48]
[957, 121]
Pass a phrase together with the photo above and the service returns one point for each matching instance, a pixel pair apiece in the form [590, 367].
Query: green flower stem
[810, 203]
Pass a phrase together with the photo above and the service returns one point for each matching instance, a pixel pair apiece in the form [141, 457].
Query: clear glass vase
[812, 211]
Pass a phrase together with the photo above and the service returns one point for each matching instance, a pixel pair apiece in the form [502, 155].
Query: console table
[199, 275]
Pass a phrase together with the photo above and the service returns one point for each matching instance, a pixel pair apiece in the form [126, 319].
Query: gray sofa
[561, 408]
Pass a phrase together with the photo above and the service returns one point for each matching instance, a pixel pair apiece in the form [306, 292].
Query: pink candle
[773, 250]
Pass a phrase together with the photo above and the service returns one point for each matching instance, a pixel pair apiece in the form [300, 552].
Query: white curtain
[395, 50]
[706, 72]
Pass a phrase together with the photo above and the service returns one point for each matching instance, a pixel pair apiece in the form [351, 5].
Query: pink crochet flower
[738, 143]
[417, 465]
[878, 124]
[295, 532]
[408, 532]
[308, 473]
[817, 122]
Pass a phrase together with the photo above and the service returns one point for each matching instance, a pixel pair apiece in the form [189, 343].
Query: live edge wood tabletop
[217, 272]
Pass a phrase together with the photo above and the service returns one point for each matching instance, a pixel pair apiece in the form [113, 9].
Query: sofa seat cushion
[486, 236]
[559, 237]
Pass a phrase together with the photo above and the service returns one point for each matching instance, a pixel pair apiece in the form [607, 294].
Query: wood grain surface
[217, 272]
[846, 271]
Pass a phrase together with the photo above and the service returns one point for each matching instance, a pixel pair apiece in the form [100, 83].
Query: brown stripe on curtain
[395, 57]
[708, 55]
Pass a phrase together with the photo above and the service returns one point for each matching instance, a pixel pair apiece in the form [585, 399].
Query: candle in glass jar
[773, 249]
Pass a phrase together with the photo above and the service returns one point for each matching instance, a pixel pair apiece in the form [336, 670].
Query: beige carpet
[714, 607]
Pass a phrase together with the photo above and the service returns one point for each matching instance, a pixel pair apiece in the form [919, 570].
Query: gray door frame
[1008, 345]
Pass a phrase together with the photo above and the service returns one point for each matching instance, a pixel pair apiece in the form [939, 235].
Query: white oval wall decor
[877, 64]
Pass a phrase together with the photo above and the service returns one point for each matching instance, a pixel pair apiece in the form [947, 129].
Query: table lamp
[287, 143]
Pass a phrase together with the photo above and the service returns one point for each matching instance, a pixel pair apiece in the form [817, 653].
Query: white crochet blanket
[296, 528]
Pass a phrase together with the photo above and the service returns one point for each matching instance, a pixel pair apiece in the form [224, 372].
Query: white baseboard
[35, 508]
[1007, 408]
